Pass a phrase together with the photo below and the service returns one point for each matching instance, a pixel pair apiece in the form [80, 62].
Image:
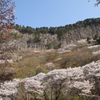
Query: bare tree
[97, 2]
[6, 23]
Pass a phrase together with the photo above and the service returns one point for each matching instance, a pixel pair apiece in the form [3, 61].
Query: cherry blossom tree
[59, 84]
[6, 23]
[6, 16]
[83, 82]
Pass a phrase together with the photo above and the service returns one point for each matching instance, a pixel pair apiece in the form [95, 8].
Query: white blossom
[33, 86]
[62, 50]
[96, 52]
[85, 86]
[36, 51]
[82, 41]
[9, 87]
[77, 77]
[58, 59]
[66, 49]
[49, 65]
[3, 61]
[95, 46]
[38, 77]
[70, 46]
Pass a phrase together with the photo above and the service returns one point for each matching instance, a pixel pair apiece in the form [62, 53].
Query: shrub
[98, 40]
[88, 40]
[37, 39]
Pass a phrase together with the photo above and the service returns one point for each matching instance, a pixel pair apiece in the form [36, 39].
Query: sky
[53, 13]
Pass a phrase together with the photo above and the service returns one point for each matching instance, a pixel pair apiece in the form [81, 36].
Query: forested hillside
[48, 63]
[56, 37]
[60, 29]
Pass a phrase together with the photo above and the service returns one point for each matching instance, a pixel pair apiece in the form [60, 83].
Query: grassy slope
[34, 63]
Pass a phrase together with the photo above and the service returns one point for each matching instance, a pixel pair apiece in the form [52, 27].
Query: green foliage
[44, 30]
[98, 40]
[88, 40]
[52, 30]
[49, 45]
[37, 39]
[30, 40]
[95, 37]
[16, 35]
[24, 29]
[57, 46]
[60, 31]
[60, 35]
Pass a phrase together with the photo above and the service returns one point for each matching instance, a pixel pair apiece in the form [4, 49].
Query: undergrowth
[34, 63]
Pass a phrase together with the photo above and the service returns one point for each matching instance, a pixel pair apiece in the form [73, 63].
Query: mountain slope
[56, 37]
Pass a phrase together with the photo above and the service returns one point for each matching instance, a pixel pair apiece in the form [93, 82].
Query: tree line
[60, 31]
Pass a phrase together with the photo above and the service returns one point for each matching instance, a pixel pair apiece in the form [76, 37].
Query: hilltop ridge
[56, 37]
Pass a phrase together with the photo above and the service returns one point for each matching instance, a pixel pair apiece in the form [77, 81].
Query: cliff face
[46, 41]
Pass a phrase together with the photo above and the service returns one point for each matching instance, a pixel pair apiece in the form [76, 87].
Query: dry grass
[34, 63]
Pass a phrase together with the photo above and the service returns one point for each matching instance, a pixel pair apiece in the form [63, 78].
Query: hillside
[79, 83]
[53, 65]
[56, 37]
[72, 55]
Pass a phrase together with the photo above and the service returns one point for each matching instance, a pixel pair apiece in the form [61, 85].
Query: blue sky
[40, 13]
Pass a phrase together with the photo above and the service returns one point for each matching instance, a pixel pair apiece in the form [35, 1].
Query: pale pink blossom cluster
[67, 48]
[79, 78]
[3, 61]
[70, 46]
[94, 46]
[36, 51]
[96, 52]
[34, 84]
[58, 59]
[62, 50]
[49, 65]
[82, 41]
[9, 87]
[85, 86]
[6, 11]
